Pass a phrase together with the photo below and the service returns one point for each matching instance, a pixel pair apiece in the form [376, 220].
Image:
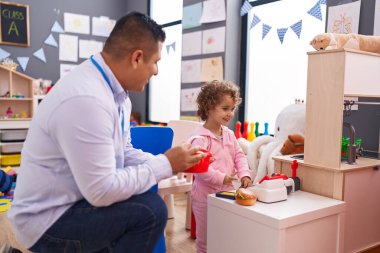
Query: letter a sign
[14, 24]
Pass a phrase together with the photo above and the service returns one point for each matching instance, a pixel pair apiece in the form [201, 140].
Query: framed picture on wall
[14, 24]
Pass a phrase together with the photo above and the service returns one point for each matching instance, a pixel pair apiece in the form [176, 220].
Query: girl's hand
[228, 179]
[245, 182]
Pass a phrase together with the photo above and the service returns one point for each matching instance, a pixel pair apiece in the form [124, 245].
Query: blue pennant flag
[297, 28]
[255, 21]
[23, 62]
[3, 54]
[245, 8]
[51, 41]
[322, 1]
[170, 46]
[266, 29]
[315, 11]
[40, 54]
[281, 33]
[57, 28]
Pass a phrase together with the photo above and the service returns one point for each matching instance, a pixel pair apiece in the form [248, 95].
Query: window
[164, 89]
[276, 72]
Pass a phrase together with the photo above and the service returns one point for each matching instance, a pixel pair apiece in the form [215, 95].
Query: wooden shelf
[17, 119]
[13, 84]
[332, 75]
[16, 99]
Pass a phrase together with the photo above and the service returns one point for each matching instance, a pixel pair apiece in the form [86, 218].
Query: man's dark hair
[132, 32]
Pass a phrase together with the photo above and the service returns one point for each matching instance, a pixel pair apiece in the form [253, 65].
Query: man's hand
[184, 156]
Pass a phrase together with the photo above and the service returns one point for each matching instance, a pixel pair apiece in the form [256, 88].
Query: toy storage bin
[10, 147]
[13, 134]
[10, 160]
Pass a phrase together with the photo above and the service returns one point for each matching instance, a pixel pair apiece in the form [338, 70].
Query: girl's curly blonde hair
[211, 94]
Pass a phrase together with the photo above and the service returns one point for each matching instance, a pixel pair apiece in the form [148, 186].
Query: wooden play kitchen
[333, 75]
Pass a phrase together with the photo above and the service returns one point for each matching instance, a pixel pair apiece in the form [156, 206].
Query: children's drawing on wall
[192, 43]
[212, 69]
[191, 71]
[89, 47]
[213, 11]
[68, 48]
[376, 24]
[76, 23]
[344, 18]
[191, 15]
[188, 99]
[65, 69]
[102, 26]
[213, 40]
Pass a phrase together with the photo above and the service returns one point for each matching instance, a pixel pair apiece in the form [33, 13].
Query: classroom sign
[14, 24]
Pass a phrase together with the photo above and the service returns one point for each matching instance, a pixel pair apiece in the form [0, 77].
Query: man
[81, 186]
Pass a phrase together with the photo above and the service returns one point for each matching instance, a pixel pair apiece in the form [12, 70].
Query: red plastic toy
[274, 176]
[294, 167]
[245, 130]
[238, 129]
[202, 166]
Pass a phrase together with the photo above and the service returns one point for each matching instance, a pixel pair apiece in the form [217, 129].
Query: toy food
[202, 166]
[245, 197]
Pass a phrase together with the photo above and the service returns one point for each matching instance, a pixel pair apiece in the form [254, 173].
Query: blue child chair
[155, 140]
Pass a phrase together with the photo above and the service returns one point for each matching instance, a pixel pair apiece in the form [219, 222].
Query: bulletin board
[14, 24]
[203, 49]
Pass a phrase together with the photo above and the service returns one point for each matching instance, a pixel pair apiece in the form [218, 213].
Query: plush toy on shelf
[326, 41]
[290, 121]
[293, 145]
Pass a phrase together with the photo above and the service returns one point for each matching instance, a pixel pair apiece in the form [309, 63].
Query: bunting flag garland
[315, 11]
[255, 21]
[23, 62]
[297, 28]
[281, 33]
[57, 28]
[40, 54]
[4, 54]
[245, 8]
[51, 41]
[170, 46]
[266, 29]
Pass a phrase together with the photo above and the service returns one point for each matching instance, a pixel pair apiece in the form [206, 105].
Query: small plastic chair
[182, 182]
[155, 140]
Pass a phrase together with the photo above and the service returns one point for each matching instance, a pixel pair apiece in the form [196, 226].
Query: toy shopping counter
[304, 222]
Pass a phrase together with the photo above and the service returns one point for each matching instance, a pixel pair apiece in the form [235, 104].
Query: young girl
[217, 102]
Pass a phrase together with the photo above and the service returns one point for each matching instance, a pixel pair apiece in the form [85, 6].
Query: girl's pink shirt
[229, 158]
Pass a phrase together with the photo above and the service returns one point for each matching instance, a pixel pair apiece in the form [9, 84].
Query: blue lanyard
[109, 85]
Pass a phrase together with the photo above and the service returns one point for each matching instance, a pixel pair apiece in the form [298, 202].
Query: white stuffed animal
[291, 120]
